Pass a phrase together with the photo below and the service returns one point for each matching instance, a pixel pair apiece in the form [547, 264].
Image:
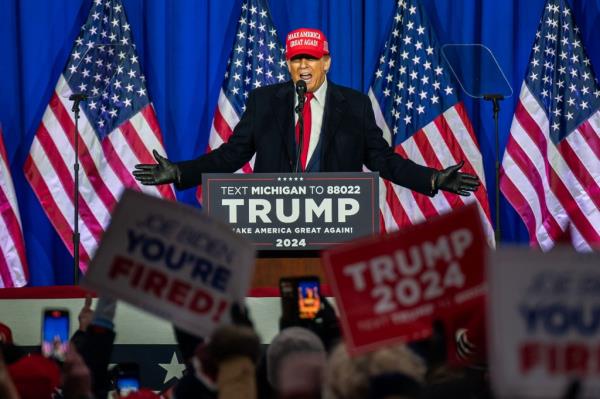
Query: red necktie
[307, 116]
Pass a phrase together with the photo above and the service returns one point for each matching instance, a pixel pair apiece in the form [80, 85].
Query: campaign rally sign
[295, 211]
[544, 320]
[392, 287]
[173, 261]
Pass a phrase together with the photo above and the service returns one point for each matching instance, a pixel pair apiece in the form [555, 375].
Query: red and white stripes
[105, 168]
[224, 121]
[553, 187]
[445, 141]
[13, 262]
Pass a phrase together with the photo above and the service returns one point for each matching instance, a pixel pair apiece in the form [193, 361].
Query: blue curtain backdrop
[184, 45]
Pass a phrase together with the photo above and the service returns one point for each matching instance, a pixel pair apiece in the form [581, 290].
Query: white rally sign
[173, 261]
[544, 322]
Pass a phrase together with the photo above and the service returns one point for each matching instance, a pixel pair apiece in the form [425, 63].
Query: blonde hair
[348, 378]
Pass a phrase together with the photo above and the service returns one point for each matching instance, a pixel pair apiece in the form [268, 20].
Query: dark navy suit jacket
[349, 138]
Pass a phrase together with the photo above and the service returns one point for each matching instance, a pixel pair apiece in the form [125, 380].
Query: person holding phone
[126, 378]
[303, 306]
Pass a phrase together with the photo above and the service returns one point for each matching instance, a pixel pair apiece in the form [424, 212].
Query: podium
[269, 270]
[291, 217]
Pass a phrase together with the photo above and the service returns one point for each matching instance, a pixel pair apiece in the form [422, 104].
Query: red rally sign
[391, 288]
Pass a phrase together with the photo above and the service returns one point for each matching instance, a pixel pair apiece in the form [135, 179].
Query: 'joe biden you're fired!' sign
[173, 261]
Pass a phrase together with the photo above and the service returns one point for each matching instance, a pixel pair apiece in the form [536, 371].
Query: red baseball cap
[306, 41]
[143, 393]
[35, 377]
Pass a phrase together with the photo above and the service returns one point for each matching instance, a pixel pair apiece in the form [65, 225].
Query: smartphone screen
[309, 298]
[55, 333]
[127, 378]
[126, 385]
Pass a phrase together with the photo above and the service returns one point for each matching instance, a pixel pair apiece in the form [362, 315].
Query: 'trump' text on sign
[391, 288]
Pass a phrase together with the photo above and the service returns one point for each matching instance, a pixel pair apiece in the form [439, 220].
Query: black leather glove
[164, 172]
[450, 179]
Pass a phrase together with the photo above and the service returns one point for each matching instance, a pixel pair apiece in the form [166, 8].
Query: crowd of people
[307, 359]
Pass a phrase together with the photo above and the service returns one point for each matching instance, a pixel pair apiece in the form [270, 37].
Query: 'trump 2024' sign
[391, 288]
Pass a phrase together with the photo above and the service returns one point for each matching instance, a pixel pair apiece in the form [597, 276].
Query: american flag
[551, 166]
[417, 108]
[117, 129]
[257, 59]
[13, 263]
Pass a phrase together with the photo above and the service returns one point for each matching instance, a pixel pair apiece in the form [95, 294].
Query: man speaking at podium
[339, 132]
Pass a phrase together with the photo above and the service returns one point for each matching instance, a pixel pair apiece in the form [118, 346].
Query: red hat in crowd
[471, 345]
[5, 334]
[143, 393]
[306, 41]
[35, 377]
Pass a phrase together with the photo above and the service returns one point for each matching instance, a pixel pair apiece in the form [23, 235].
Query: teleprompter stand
[480, 77]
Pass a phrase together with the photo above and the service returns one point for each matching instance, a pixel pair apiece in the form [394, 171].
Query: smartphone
[55, 333]
[300, 297]
[127, 378]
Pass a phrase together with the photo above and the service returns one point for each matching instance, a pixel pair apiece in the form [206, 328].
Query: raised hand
[86, 313]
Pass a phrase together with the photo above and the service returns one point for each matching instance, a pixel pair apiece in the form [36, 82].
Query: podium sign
[292, 211]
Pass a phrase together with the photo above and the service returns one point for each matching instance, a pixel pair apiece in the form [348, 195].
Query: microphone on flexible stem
[301, 91]
[77, 98]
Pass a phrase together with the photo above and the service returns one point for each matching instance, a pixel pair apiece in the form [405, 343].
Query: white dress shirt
[317, 108]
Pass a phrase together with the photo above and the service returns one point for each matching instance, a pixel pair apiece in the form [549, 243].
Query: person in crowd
[295, 363]
[77, 378]
[35, 376]
[224, 365]
[393, 372]
[339, 132]
[7, 386]
[97, 344]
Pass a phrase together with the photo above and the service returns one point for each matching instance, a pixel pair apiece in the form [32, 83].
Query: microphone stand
[495, 99]
[299, 108]
[76, 98]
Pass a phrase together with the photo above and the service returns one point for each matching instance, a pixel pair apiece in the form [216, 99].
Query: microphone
[301, 91]
[78, 97]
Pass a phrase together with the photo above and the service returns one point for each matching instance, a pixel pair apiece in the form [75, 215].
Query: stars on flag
[412, 85]
[105, 67]
[257, 58]
[561, 70]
